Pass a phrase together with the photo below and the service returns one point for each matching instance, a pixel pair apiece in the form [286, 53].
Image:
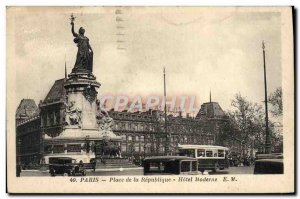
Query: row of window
[152, 138]
[151, 147]
[119, 115]
[131, 116]
[140, 148]
[154, 127]
[134, 127]
[51, 118]
[203, 152]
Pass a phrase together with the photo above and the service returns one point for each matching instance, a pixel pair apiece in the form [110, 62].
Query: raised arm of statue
[72, 30]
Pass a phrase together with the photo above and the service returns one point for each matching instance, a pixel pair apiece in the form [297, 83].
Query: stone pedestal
[80, 129]
[81, 90]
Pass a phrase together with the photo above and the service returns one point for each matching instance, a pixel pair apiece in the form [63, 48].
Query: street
[235, 170]
[138, 171]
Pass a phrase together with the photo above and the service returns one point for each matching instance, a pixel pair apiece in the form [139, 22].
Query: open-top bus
[209, 157]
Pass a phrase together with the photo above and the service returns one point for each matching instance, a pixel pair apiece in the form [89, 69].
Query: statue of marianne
[84, 59]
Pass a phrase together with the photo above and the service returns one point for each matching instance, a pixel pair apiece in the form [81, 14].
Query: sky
[202, 50]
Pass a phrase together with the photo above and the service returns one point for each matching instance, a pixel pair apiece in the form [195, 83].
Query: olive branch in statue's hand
[72, 19]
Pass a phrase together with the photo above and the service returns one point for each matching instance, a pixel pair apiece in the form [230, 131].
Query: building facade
[28, 132]
[142, 133]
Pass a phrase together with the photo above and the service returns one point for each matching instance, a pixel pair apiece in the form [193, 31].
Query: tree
[249, 119]
[275, 99]
[276, 137]
[245, 129]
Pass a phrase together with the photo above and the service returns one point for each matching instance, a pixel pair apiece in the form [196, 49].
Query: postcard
[135, 100]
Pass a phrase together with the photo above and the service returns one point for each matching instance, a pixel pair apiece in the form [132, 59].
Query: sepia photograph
[150, 99]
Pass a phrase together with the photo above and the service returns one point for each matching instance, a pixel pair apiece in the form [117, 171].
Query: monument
[86, 131]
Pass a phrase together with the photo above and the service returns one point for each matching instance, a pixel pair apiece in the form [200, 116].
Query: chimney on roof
[180, 113]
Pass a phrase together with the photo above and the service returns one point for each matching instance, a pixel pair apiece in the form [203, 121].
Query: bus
[209, 157]
[171, 165]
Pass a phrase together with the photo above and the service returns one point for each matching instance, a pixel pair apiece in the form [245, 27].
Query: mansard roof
[57, 92]
[210, 110]
[27, 108]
